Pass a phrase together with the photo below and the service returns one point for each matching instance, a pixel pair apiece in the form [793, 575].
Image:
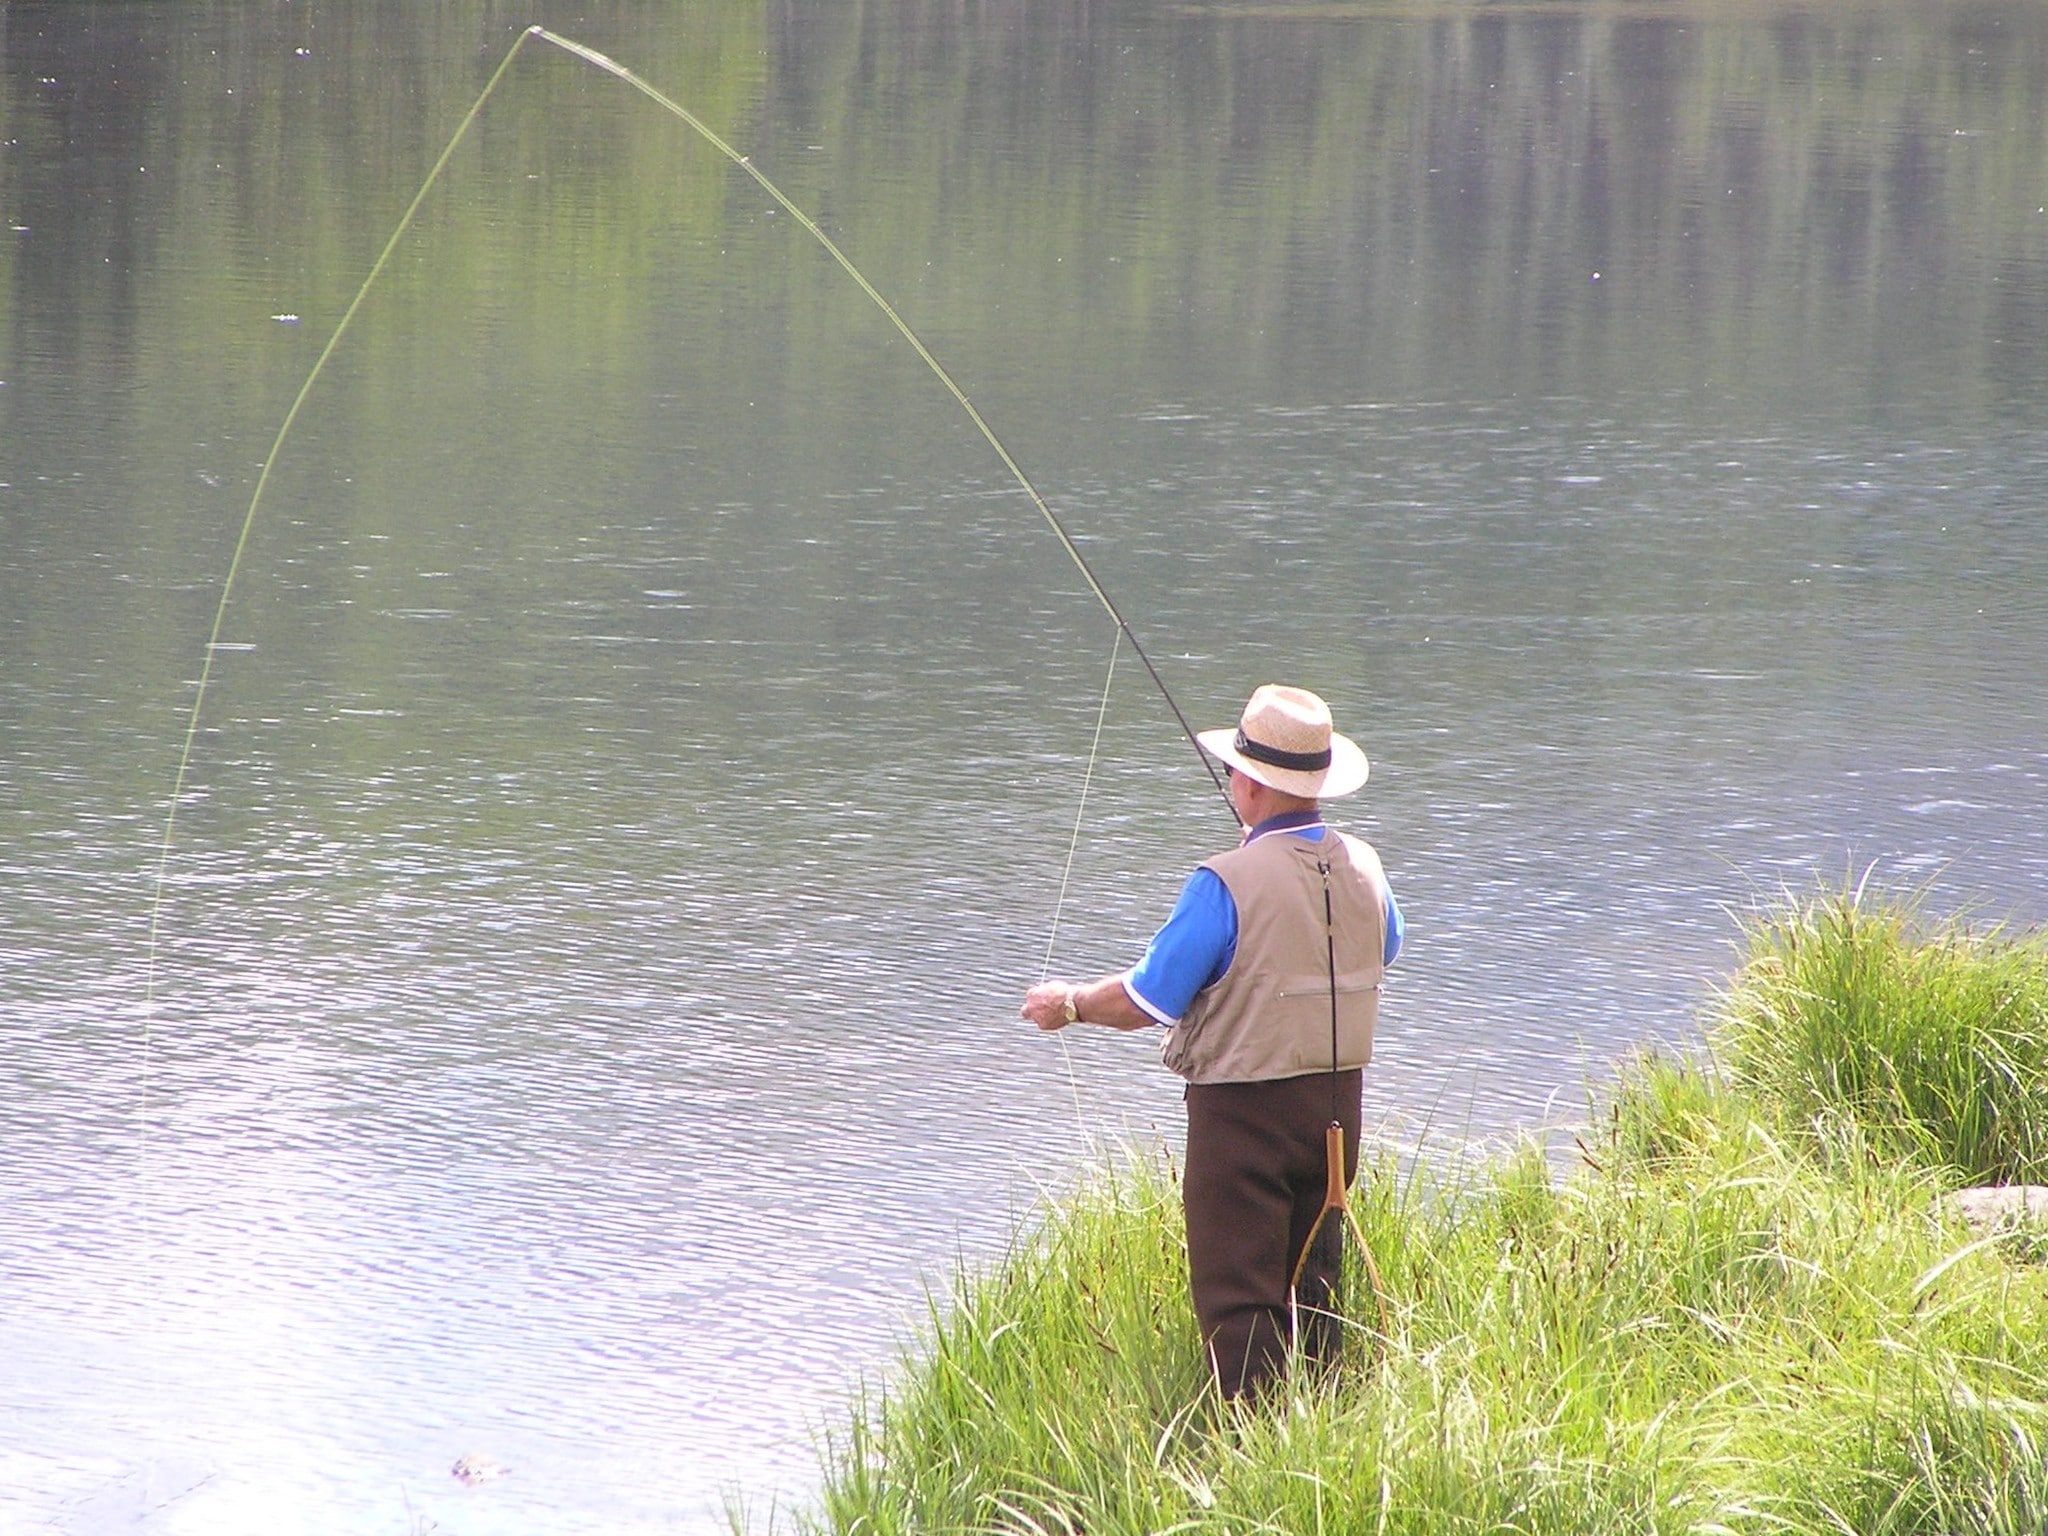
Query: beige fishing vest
[1269, 1015]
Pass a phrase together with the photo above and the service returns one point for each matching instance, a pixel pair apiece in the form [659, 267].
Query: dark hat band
[1275, 757]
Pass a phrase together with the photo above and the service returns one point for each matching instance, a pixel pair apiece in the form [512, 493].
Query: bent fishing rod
[711, 137]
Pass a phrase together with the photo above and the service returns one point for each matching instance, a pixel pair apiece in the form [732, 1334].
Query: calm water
[637, 778]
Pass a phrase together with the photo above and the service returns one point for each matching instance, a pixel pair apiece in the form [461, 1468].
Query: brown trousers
[1253, 1186]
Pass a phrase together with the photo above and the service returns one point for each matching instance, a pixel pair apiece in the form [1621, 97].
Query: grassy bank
[1748, 1309]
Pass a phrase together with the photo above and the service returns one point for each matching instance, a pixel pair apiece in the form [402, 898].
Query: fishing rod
[704, 130]
[710, 136]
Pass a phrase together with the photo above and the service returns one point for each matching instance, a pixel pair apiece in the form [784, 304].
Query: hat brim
[1346, 774]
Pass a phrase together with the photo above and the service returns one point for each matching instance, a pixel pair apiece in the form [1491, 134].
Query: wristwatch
[1073, 1012]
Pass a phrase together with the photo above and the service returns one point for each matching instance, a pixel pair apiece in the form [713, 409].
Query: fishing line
[1081, 810]
[705, 131]
[377, 268]
[1066, 871]
[1123, 627]
[220, 613]
[214, 646]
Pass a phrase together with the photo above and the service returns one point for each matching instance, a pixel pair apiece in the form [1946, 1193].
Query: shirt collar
[1287, 821]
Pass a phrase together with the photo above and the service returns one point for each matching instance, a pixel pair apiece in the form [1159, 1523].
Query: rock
[1992, 1207]
[473, 1467]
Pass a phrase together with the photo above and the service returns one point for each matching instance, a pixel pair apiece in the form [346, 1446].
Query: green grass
[1747, 1310]
[1934, 1041]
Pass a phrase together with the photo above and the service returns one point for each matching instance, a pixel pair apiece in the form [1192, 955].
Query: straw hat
[1284, 741]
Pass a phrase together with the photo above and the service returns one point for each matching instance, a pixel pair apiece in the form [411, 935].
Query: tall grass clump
[1725, 1317]
[1929, 1037]
[1707, 1328]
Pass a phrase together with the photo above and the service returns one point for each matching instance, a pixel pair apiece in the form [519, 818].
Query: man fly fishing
[1267, 977]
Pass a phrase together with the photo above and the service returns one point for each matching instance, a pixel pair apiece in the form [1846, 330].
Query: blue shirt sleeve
[1192, 949]
[1396, 929]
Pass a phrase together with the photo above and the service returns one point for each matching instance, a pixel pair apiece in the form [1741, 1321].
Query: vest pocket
[1299, 1021]
[1276, 1030]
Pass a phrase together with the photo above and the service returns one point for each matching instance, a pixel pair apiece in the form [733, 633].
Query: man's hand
[1103, 1001]
[1050, 1005]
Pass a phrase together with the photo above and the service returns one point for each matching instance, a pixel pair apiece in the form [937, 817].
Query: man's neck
[1261, 804]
